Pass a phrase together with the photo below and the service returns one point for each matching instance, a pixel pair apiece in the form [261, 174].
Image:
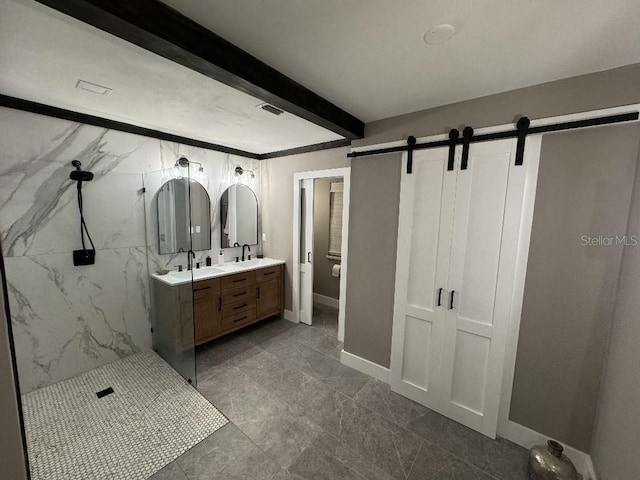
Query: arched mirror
[184, 218]
[238, 216]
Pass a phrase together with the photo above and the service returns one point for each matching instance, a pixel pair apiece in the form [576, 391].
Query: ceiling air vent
[271, 109]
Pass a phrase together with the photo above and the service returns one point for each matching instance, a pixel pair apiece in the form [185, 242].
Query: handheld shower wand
[84, 256]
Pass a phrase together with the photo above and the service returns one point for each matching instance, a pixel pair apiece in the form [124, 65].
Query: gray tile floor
[297, 413]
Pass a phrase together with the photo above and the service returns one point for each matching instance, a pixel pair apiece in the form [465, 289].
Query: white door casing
[298, 178]
[306, 251]
[481, 208]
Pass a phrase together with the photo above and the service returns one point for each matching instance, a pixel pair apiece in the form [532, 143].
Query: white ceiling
[44, 53]
[368, 56]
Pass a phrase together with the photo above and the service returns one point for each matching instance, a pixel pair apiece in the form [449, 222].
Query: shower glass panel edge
[171, 306]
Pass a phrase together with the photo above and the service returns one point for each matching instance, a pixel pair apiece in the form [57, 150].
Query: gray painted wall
[375, 186]
[12, 459]
[373, 227]
[616, 87]
[610, 88]
[616, 435]
[323, 282]
[277, 197]
[584, 188]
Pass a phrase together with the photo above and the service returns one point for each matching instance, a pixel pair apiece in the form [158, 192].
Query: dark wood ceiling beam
[73, 116]
[160, 29]
[306, 149]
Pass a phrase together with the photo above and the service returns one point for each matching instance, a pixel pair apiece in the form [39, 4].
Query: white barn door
[424, 242]
[458, 240]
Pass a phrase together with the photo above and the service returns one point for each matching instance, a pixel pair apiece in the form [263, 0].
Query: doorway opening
[320, 236]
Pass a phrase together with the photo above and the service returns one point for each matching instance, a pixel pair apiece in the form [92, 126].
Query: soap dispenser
[221, 258]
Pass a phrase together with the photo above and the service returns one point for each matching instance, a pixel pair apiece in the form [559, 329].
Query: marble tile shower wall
[68, 320]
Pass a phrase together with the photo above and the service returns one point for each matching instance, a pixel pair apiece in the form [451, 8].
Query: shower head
[80, 175]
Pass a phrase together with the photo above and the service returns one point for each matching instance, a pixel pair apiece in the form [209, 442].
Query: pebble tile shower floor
[152, 417]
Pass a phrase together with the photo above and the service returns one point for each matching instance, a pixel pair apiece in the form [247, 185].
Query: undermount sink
[254, 262]
[198, 273]
[175, 277]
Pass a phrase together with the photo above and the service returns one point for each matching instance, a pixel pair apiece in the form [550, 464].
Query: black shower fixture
[85, 256]
[78, 174]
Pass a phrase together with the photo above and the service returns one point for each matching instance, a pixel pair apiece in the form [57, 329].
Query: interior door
[424, 240]
[473, 340]
[306, 251]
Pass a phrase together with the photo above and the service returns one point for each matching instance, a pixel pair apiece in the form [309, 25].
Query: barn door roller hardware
[523, 128]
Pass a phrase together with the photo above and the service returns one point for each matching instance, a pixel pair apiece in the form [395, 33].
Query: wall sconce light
[240, 171]
[183, 162]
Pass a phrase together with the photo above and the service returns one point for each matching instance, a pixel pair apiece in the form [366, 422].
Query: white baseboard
[365, 366]
[527, 438]
[324, 300]
[288, 315]
[589, 472]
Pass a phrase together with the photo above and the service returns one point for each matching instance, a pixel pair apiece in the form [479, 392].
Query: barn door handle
[451, 299]
[439, 301]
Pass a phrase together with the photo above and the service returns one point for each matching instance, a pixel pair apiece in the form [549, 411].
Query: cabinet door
[206, 307]
[487, 214]
[422, 265]
[268, 297]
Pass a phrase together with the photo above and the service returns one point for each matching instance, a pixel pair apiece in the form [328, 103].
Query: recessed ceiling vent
[94, 88]
[271, 109]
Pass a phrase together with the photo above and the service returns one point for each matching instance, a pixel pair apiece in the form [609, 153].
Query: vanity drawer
[268, 273]
[242, 318]
[238, 280]
[238, 294]
[206, 287]
[238, 307]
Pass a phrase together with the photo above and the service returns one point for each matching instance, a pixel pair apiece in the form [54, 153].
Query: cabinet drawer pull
[201, 289]
[239, 294]
[269, 273]
[240, 319]
[240, 306]
[451, 299]
[439, 303]
[219, 304]
[239, 280]
[258, 292]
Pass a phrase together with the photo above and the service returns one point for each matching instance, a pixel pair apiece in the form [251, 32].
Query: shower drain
[104, 393]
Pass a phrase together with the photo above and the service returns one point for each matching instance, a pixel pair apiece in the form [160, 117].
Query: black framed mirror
[238, 216]
[184, 216]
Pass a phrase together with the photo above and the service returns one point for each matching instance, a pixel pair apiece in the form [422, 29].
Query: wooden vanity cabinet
[206, 310]
[269, 292]
[225, 304]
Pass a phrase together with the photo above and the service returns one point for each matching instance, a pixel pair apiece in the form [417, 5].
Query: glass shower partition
[169, 245]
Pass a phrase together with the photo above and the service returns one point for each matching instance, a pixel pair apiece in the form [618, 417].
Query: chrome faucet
[248, 247]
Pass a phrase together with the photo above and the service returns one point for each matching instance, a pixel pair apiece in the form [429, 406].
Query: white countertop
[174, 277]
